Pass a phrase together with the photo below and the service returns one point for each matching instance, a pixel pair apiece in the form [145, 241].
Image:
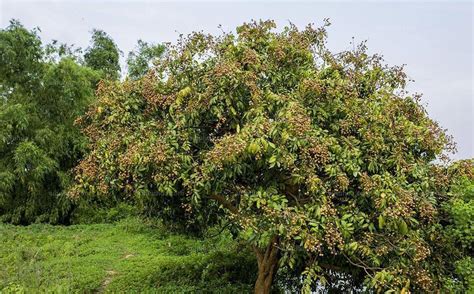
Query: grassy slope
[126, 256]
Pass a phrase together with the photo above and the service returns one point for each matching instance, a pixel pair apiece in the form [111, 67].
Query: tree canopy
[141, 60]
[322, 162]
[39, 100]
[103, 55]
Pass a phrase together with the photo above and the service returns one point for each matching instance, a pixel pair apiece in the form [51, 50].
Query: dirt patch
[107, 280]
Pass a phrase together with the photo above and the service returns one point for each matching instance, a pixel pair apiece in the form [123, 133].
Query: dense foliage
[457, 225]
[322, 162]
[40, 96]
[103, 55]
[141, 60]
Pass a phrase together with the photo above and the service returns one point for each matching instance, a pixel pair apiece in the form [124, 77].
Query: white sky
[435, 39]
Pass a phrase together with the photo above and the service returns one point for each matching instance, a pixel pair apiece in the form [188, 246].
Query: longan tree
[322, 162]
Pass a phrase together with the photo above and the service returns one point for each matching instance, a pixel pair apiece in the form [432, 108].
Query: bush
[85, 213]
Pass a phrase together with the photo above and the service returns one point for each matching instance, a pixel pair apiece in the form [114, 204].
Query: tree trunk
[267, 266]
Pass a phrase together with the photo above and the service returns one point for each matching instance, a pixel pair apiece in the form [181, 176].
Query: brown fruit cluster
[320, 154]
[421, 252]
[333, 238]
[313, 244]
[342, 182]
[225, 150]
[427, 211]
[423, 280]
[403, 207]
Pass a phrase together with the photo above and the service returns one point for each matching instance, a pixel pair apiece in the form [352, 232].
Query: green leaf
[272, 159]
[381, 221]
[254, 148]
[402, 227]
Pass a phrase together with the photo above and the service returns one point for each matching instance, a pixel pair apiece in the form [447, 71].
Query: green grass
[127, 256]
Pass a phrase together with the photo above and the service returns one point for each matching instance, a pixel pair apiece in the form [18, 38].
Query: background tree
[21, 53]
[39, 100]
[320, 161]
[455, 231]
[103, 55]
[141, 60]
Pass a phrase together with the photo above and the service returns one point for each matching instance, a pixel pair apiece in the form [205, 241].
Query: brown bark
[267, 258]
[267, 266]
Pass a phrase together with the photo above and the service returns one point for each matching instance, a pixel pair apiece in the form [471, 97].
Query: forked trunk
[267, 266]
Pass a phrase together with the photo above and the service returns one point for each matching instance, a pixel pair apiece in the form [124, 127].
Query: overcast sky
[434, 39]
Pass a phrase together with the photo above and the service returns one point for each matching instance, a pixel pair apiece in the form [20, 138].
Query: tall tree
[321, 161]
[38, 142]
[103, 55]
[141, 60]
[20, 59]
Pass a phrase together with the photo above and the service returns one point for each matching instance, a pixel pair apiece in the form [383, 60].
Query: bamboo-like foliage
[40, 96]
